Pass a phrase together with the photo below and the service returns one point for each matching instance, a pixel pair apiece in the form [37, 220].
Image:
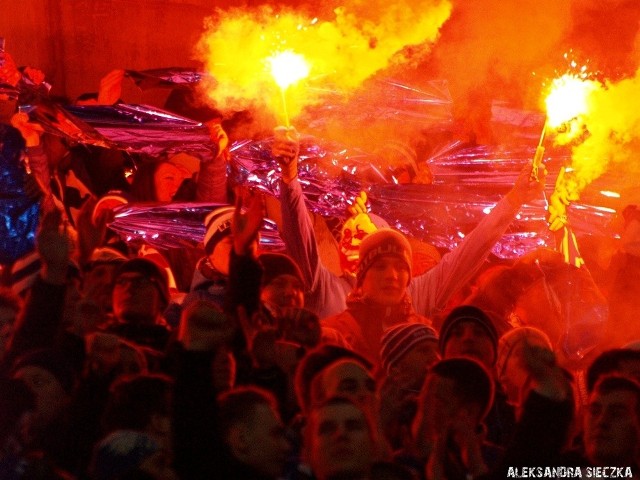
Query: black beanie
[467, 313]
[152, 271]
[276, 264]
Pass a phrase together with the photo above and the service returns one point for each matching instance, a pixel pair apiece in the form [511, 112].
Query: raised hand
[527, 188]
[110, 87]
[218, 136]
[285, 148]
[54, 247]
[358, 205]
[30, 131]
[246, 225]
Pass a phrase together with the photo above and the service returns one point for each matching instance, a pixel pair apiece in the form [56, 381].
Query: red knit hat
[384, 241]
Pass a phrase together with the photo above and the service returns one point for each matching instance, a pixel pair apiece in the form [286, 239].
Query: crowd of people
[269, 365]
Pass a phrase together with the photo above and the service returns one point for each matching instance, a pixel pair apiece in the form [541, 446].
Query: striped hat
[218, 226]
[399, 339]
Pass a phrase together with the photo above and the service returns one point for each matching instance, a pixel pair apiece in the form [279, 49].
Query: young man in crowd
[428, 292]
[340, 441]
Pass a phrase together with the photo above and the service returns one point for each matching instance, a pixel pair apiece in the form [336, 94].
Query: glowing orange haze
[342, 52]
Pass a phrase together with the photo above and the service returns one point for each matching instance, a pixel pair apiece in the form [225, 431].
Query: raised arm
[431, 291]
[327, 291]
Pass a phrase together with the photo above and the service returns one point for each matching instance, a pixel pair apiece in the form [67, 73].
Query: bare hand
[285, 148]
[30, 131]
[54, 247]
[218, 136]
[358, 205]
[110, 87]
[527, 188]
[34, 75]
[557, 211]
[246, 225]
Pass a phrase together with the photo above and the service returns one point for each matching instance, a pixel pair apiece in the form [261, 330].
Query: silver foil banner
[176, 225]
[172, 77]
[147, 130]
[467, 183]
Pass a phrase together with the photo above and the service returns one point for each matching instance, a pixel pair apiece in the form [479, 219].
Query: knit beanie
[217, 226]
[121, 452]
[384, 241]
[150, 270]
[399, 339]
[53, 361]
[276, 264]
[105, 255]
[467, 313]
[518, 336]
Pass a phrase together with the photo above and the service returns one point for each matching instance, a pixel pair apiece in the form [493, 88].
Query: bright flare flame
[568, 99]
[288, 68]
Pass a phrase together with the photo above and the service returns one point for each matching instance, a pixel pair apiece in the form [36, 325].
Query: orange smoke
[342, 52]
[610, 126]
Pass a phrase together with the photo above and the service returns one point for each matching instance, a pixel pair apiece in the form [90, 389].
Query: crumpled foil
[467, 183]
[19, 212]
[147, 130]
[58, 120]
[382, 100]
[176, 225]
[172, 77]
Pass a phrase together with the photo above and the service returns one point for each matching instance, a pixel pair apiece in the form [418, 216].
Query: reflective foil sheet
[60, 121]
[176, 225]
[166, 77]
[145, 129]
[467, 183]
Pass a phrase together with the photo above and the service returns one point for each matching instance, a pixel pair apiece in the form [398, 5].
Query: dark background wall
[76, 42]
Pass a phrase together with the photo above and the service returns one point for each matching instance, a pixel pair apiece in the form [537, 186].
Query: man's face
[340, 441]
[136, 298]
[612, 428]
[468, 338]
[386, 280]
[349, 379]
[414, 364]
[266, 445]
[284, 291]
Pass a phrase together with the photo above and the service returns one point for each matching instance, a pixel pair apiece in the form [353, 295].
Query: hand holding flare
[285, 148]
[566, 101]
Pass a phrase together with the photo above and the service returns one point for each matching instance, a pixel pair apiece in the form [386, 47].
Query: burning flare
[288, 68]
[345, 47]
[568, 101]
